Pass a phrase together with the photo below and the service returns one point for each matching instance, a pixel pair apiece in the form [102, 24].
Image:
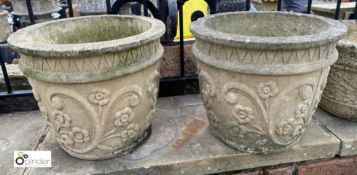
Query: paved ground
[174, 146]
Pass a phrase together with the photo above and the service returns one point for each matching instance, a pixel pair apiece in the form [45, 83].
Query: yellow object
[188, 8]
[75, 13]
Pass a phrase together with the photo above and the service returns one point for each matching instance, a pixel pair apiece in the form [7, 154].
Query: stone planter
[96, 81]
[261, 78]
[4, 26]
[92, 7]
[42, 9]
[340, 95]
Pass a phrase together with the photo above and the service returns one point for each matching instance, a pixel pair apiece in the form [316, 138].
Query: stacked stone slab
[262, 75]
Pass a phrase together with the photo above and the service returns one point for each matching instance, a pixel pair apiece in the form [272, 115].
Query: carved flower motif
[129, 132]
[238, 131]
[302, 110]
[285, 128]
[99, 96]
[79, 135]
[66, 139]
[152, 89]
[124, 117]
[61, 119]
[243, 114]
[266, 90]
[234, 131]
[305, 92]
[299, 129]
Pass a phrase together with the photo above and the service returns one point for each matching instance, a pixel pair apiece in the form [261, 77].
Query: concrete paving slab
[193, 149]
[344, 130]
[18, 132]
[187, 100]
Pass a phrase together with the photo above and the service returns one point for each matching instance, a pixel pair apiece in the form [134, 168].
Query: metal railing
[115, 9]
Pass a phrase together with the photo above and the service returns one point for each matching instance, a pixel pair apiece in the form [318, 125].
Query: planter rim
[22, 43]
[344, 42]
[336, 30]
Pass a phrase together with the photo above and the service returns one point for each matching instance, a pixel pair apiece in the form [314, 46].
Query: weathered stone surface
[96, 83]
[265, 5]
[261, 87]
[340, 95]
[328, 9]
[19, 132]
[343, 129]
[4, 26]
[187, 100]
[39, 7]
[42, 10]
[194, 150]
[92, 7]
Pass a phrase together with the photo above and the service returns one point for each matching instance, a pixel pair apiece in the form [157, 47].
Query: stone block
[344, 130]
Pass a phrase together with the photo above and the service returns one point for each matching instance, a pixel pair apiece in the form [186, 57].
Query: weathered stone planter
[262, 75]
[340, 95]
[42, 9]
[96, 80]
[92, 7]
[4, 26]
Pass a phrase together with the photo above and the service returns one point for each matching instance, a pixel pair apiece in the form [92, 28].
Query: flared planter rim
[22, 42]
[335, 32]
[345, 43]
[207, 34]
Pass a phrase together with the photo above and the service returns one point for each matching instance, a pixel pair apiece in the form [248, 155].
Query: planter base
[245, 148]
[141, 140]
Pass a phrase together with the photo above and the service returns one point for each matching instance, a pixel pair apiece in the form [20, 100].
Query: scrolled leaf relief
[40, 105]
[152, 92]
[73, 136]
[208, 92]
[295, 126]
[207, 88]
[96, 105]
[244, 118]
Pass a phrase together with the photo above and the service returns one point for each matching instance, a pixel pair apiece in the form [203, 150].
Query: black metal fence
[166, 9]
